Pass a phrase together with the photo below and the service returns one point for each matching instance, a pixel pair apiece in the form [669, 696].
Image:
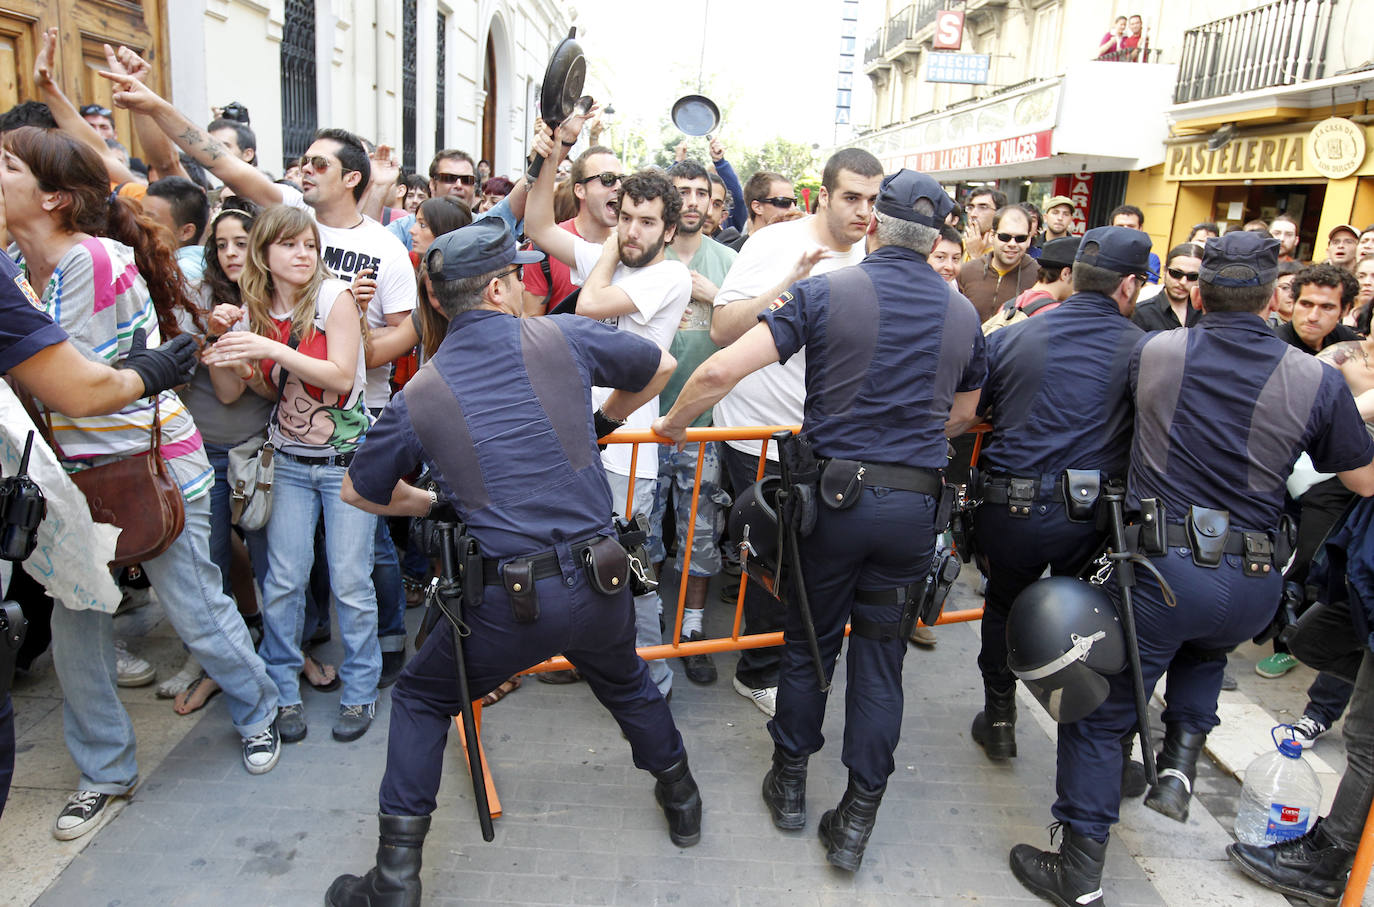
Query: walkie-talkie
[22, 508]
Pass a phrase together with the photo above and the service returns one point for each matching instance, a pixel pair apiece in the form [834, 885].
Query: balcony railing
[1132, 55]
[874, 50]
[898, 28]
[1280, 43]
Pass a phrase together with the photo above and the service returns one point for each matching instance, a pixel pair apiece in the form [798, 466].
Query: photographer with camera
[35, 352]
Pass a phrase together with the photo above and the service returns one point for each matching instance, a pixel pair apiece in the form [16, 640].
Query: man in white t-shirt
[335, 171]
[776, 257]
[626, 282]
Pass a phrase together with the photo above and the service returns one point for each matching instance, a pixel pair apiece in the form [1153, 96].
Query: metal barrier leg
[493, 801]
[1364, 858]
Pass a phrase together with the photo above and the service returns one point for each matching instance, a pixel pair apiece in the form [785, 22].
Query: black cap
[1059, 253]
[900, 192]
[1119, 249]
[1257, 253]
[97, 110]
[481, 247]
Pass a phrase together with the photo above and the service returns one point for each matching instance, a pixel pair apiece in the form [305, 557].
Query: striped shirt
[97, 295]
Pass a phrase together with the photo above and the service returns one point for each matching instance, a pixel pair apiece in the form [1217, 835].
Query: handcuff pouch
[1081, 488]
[1207, 531]
[607, 565]
[841, 482]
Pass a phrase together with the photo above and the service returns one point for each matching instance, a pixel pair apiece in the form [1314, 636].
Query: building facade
[1020, 94]
[417, 75]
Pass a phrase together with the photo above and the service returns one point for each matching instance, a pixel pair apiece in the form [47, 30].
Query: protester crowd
[310, 302]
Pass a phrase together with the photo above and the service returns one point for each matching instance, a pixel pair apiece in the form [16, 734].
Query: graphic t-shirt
[660, 293]
[348, 250]
[310, 421]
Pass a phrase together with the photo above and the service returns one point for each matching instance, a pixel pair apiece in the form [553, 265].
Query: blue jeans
[222, 530]
[300, 494]
[391, 595]
[99, 734]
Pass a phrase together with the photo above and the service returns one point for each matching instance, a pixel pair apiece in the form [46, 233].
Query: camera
[234, 111]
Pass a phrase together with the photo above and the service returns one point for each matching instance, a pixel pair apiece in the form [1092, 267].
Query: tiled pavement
[580, 823]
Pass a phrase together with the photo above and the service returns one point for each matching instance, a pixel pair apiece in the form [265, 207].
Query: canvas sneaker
[1307, 729]
[261, 751]
[1276, 665]
[86, 810]
[766, 698]
[130, 670]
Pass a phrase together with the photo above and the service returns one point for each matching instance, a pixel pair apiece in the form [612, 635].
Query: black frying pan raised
[696, 114]
[560, 94]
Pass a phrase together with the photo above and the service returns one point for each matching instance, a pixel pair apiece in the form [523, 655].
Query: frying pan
[560, 94]
[696, 114]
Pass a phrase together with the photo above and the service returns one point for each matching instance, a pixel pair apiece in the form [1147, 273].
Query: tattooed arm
[237, 174]
[1351, 357]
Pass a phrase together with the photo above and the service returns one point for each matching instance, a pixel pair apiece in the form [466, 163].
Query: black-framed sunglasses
[448, 179]
[517, 270]
[779, 201]
[1176, 274]
[608, 179]
[1017, 237]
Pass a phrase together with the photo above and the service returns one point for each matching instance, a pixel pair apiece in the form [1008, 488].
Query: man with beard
[1172, 306]
[773, 260]
[595, 178]
[1006, 271]
[1285, 230]
[708, 261]
[628, 283]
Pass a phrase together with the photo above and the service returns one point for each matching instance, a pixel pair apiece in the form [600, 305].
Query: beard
[644, 258]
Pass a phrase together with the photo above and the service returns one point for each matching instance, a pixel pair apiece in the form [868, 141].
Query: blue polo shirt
[1057, 393]
[524, 393]
[888, 345]
[24, 328]
[1223, 409]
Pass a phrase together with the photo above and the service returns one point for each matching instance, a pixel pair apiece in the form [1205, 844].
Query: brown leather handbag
[138, 494]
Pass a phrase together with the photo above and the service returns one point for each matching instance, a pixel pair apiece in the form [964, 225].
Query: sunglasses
[1013, 237]
[608, 179]
[448, 179]
[96, 110]
[1176, 274]
[517, 270]
[779, 201]
[318, 162]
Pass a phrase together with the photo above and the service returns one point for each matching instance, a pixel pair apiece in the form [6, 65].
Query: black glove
[604, 425]
[162, 367]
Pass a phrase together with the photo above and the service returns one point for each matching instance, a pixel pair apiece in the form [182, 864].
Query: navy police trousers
[883, 542]
[1218, 608]
[597, 634]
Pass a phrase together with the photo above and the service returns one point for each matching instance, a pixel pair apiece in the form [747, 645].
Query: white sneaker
[175, 685]
[130, 670]
[766, 698]
[1307, 729]
[85, 811]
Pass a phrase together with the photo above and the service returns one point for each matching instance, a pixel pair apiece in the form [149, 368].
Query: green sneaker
[1276, 665]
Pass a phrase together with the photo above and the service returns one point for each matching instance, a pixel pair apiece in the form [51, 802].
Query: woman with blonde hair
[303, 347]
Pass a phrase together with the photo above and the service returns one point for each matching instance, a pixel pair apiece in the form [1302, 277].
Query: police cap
[479, 248]
[902, 190]
[1118, 249]
[1249, 259]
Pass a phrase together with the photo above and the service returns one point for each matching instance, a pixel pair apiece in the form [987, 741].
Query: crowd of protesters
[307, 300]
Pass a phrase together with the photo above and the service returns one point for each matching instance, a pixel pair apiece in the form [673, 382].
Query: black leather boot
[1133, 781]
[1070, 878]
[395, 880]
[676, 792]
[1312, 867]
[784, 790]
[994, 728]
[844, 830]
[1177, 767]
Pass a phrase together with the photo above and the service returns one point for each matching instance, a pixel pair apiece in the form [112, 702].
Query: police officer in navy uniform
[1060, 409]
[1222, 411]
[503, 416]
[894, 363]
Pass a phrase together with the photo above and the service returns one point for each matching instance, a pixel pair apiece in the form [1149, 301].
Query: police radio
[22, 508]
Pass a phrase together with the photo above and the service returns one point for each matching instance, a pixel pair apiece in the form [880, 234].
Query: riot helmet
[1064, 639]
[753, 524]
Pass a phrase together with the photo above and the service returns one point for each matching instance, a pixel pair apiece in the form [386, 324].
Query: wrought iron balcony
[898, 29]
[874, 50]
[1280, 43]
[1132, 55]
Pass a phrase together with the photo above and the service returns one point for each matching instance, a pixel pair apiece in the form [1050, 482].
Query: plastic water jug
[1281, 794]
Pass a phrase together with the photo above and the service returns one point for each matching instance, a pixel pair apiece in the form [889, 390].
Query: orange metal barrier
[1364, 858]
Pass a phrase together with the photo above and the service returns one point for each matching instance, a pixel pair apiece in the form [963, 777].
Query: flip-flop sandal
[501, 692]
[200, 692]
[321, 670]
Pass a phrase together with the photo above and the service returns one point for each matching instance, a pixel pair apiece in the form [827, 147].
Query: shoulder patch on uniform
[781, 301]
[22, 283]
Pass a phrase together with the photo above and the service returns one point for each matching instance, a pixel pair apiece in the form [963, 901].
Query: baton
[804, 605]
[450, 593]
[1125, 577]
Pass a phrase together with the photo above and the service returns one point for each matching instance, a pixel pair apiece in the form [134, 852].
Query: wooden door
[84, 27]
